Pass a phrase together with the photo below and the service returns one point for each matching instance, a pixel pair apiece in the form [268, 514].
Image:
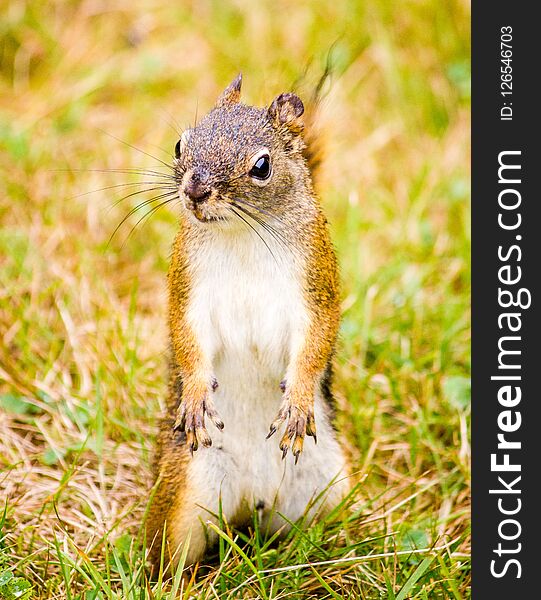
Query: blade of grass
[415, 576]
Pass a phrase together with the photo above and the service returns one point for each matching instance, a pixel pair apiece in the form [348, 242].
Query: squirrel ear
[231, 94]
[287, 109]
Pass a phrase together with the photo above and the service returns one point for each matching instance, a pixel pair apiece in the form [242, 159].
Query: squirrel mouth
[203, 216]
[204, 212]
[198, 213]
[204, 219]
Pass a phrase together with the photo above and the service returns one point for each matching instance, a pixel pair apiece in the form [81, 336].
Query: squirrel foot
[191, 420]
[300, 423]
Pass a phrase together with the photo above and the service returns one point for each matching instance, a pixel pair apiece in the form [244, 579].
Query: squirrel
[253, 315]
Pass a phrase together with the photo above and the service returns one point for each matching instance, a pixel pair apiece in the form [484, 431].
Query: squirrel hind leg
[188, 497]
[174, 509]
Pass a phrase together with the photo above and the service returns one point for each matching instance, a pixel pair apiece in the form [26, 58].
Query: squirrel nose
[196, 190]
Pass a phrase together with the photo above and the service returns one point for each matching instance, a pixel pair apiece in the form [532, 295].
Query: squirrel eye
[261, 168]
[177, 149]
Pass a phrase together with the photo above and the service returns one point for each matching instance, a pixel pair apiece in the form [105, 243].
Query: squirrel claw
[218, 423]
[297, 447]
[203, 437]
[300, 424]
[271, 432]
[196, 436]
[212, 414]
[191, 420]
[311, 427]
[280, 418]
[180, 421]
[191, 441]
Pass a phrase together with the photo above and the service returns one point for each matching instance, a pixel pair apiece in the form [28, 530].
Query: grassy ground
[82, 322]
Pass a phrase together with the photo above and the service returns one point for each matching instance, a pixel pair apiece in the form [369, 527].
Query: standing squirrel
[253, 315]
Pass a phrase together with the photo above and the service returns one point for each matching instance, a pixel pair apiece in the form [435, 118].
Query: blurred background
[90, 92]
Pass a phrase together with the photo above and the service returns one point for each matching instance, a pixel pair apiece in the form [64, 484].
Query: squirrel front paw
[300, 422]
[190, 417]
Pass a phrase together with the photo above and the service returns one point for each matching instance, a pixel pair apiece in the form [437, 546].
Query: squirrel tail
[313, 134]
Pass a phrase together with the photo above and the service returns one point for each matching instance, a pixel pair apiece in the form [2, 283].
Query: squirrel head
[240, 159]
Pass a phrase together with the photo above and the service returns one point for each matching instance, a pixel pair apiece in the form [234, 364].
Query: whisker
[153, 210]
[254, 230]
[138, 149]
[272, 230]
[129, 171]
[168, 152]
[174, 125]
[148, 202]
[118, 185]
[196, 111]
[279, 238]
[259, 209]
[169, 195]
[277, 234]
[267, 227]
[136, 193]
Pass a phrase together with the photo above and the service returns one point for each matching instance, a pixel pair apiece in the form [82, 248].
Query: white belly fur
[247, 310]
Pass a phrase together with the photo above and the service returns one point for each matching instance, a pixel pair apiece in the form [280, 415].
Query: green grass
[82, 320]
